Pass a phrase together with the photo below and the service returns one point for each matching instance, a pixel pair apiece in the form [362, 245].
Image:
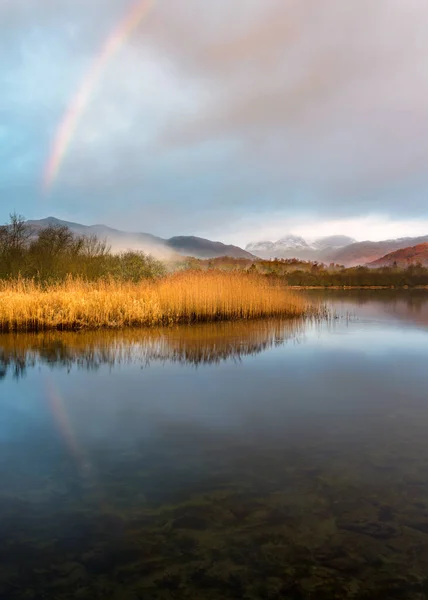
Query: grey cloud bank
[217, 115]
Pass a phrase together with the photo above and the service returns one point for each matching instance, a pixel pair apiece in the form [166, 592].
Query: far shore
[357, 287]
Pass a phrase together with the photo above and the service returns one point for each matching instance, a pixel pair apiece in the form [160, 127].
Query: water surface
[271, 459]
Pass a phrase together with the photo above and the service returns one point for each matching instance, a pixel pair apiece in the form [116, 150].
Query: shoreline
[150, 327]
[357, 287]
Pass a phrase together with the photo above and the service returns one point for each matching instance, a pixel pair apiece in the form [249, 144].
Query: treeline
[54, 253]
[308, 273]
[304, 273]
[412, 276]
[279, 267]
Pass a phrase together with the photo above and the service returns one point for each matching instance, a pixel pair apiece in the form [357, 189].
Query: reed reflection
[196, 345]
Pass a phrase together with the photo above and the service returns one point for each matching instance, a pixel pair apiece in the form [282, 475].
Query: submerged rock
[375, 529]
[70, 574]
[420, 526]
[191, 522]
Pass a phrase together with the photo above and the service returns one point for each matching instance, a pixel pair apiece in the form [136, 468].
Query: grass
[186, 297]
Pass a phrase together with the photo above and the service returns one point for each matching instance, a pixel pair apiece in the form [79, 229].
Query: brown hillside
[404, 257]
[362, 253]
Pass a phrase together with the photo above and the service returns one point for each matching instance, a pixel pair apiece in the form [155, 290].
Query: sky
[237, 121]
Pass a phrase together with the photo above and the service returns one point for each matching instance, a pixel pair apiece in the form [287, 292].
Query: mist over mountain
[292, 246]
[202, 248]
[159, 247]
[333, 241]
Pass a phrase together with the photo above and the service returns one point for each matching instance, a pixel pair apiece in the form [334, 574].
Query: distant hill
[404, 257]
[202, 248]
[361, 253]
[159, 247]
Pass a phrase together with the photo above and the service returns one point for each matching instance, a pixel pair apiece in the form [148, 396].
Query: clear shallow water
[258, 460]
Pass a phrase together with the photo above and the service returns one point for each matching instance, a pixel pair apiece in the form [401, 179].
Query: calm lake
[259, 460]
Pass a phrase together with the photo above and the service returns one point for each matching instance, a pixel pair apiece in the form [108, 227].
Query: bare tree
[14, 236]
[94, 247]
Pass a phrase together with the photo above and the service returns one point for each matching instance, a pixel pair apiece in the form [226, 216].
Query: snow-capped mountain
[294, 246]
[289, 246]
[292, 242]
[259, 246]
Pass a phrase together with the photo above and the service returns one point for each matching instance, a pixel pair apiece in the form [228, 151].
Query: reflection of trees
[385, 296]
[406, 305]
[199, 344]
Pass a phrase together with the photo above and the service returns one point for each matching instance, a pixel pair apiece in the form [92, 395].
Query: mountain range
[338, 249]
[333, 249]
[159, 247]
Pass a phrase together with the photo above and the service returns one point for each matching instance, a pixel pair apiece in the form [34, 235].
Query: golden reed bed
[185, 297]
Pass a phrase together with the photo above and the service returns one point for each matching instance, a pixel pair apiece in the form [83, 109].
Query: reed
[184, 297]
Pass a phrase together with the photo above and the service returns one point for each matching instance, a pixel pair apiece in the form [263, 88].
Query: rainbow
[79, 102]
[64, 426]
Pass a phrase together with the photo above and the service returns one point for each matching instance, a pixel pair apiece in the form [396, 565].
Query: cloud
[215, 112]
[333, 93]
